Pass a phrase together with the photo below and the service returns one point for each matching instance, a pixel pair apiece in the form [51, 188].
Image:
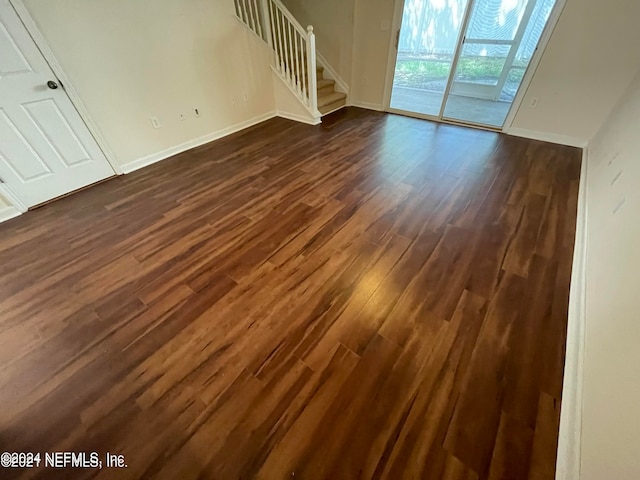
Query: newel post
[311, 69]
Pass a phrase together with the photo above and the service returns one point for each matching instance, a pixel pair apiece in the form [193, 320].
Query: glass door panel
[475, 84]
[495, 19]
[540, 14]
[499, 42]
[426, 49]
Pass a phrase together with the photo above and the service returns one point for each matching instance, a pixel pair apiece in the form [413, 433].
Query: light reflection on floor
[425, 152]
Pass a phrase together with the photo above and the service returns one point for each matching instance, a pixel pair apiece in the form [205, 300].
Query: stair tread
[333, 97]
[325, 82]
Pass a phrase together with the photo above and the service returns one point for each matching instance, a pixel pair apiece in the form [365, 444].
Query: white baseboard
[369, 106]
[7, 213]
[570, 435]
[299, 118]
[547, 137]
[183, 147]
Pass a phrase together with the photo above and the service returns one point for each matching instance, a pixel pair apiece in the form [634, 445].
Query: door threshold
[55, 199]
[445, 121]
[478, 126]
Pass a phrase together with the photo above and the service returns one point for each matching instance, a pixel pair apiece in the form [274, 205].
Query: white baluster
[251, 19]
[285, 40]
[243, 15]
[266, 21]
[258, 19]
[292, 69]
[305, 76]
[272, 38]
[283, 67]
[297, 69]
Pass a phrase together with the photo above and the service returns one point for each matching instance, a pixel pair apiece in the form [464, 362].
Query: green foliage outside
[417, 73]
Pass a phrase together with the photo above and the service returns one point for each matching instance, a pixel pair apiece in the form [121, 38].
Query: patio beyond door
[464, 60]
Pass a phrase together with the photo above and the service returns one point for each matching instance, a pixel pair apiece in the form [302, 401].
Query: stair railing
[294, 47]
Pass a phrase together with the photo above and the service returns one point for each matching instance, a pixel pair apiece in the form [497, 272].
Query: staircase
[295, 57]
[328, 99]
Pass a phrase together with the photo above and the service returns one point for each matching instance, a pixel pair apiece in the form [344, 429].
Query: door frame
[522, 91]
[46, 51]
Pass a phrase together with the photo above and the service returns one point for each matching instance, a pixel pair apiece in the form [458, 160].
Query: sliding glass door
[474, 78]
[426, 50]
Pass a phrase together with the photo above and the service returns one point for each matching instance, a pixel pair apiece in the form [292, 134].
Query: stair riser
[333, 106]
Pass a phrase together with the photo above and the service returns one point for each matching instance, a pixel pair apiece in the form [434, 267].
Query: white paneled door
[46, 149]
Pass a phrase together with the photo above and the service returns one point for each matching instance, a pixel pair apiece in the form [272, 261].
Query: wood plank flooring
[377, 297]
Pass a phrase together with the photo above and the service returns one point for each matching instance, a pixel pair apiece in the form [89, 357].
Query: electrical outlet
[534, 102]
[155, 121]
[196, 111]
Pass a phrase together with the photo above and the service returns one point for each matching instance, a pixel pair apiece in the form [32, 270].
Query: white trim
[289, 16]
[9, 212]
[7, 193]
[71, 92]
[183, 147]
[420, 116]
[547, 137]
[369, 106]
[570, 434]
[353, 49]
[392, 55]
[532, 68]
[468, 12]
[298, 118]
[333, 75]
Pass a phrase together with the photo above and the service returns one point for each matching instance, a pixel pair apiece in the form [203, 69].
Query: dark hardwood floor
[376, 297]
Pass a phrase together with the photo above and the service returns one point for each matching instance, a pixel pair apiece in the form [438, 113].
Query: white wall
[589, 61]
[288, 105]
[370, 51]
[611, 402]
[130, 60]
[332, 21]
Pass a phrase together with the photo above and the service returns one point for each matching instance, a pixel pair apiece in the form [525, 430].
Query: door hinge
[397, 39]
